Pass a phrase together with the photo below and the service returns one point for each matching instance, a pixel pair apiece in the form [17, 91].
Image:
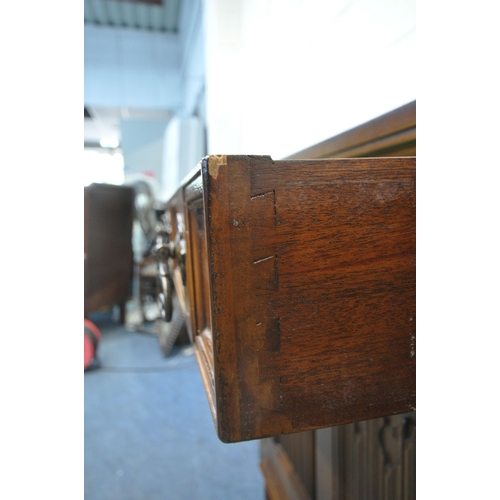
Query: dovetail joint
[262, 260]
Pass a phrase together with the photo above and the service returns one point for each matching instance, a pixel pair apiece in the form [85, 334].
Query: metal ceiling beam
[154, 15]
[147, 2]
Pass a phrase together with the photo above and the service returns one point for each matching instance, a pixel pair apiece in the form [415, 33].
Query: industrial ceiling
[153, 15]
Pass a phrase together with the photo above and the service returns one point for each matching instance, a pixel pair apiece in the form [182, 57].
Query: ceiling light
[109, 142]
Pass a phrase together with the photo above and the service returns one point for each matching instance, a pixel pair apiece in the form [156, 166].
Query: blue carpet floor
[149, 433]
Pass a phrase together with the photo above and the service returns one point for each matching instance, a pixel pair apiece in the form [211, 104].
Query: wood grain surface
[312, 291]
[392, 134]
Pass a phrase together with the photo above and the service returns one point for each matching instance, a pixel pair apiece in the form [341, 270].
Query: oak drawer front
[188, 265]
[304, 283]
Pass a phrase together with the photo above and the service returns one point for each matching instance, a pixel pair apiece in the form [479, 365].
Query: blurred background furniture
[108, 267]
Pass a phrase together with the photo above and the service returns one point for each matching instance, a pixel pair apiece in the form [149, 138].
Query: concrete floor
[149, 433]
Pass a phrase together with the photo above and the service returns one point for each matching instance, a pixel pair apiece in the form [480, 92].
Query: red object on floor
[91, 338]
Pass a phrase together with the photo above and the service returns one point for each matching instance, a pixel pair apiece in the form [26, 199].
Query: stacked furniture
[108, 264]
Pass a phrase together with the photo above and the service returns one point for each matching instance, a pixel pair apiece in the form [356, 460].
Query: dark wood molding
[392, 134]
[282, 481]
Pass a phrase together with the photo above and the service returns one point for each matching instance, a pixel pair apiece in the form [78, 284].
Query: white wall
[183, 148]
[184, 138]
[192, 54]
[283, 75]
[142, 146]
[131, 68]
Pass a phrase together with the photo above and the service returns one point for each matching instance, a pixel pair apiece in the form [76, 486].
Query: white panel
[395, 16]
[171, 159]
[183, 148]
[192, 145]
[135, 84]
[170, 89]
[136, 49]
[100, 43]
[192, 53]
[134, 68]
[167, 50]
[102, 87]
[284, 75]
[142, 145]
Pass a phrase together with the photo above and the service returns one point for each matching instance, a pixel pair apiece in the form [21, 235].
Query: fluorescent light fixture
[102, 167]
[109, 142]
